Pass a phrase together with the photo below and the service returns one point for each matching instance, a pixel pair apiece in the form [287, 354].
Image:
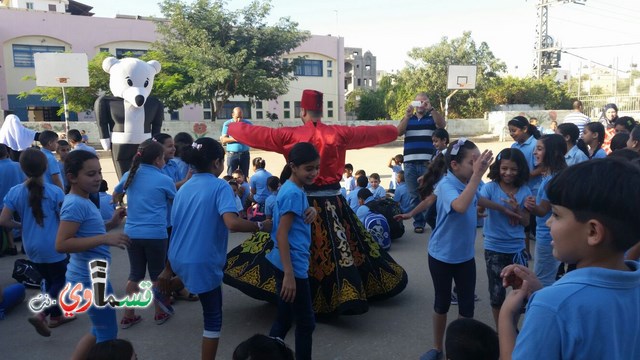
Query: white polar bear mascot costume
[130, 116]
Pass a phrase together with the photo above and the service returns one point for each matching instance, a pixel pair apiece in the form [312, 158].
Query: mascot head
[131, 78]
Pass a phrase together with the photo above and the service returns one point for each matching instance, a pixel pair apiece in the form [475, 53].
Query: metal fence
[593, 104]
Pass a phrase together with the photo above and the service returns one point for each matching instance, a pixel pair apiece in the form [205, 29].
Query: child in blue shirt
[181, 141]
[149, 193]
[395, 164]
[364, 196]
[203, 212]
[234, 187]
[49, 141]
[504, 236]
[273, 183]
[593, 311]
[290, 254]
[577, 151]
[593, 135]
[374, 185]
[258, 181]
[62, 151]
[352, 197]
[348, 180]
[83, 233]
[12, 175]
[549, 153]
[245, 189]
[401, 195]
[38, 205]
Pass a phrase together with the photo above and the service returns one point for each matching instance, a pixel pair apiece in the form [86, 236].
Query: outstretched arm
[260, 137]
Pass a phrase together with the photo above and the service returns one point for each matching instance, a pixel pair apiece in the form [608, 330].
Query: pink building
[24, 32]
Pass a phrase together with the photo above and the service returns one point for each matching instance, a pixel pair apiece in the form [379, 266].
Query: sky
[389, 29]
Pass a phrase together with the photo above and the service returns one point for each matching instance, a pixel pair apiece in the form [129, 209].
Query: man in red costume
[347, 266]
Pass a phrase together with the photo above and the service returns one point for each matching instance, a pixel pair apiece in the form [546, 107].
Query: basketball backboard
[61, 70]
[462, 77]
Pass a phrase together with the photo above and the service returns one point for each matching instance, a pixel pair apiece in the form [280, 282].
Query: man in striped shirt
[417, 129]
[577, 117]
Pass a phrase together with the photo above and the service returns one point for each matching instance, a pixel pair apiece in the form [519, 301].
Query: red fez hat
[311, 100]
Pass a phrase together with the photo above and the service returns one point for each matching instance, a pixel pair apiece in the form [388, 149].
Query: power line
[595, 62]
[591, 10]
[592, 26]
[614, 6]
[599, 46]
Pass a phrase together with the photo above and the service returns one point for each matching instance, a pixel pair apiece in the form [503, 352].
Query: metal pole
[446, 103]
[66, 111]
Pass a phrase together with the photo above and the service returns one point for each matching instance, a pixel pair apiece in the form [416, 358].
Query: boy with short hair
[376, 189]
[243, 187]
[49, 141]
[75, 139]
[348, 181]
[352, 198]
[470, 339]
[395, 164]
[593, 311]
[62, 151]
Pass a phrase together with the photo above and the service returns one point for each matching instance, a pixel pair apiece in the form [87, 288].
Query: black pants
[464, 275]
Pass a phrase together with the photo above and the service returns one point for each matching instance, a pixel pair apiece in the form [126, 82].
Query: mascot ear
[108, 63]
[155, 64]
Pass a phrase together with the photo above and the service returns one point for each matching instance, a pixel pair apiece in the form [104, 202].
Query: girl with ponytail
[149, 192]
[38, 205]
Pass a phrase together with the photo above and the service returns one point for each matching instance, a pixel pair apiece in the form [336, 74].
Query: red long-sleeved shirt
[331, 141]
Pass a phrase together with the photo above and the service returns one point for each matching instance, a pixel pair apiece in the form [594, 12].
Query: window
[120, 53]
[259, 115]
[329, 73]
[23, 54]
[52, 7]
[104, 50]
[258, 104]
[355, 53]
[359, 82]
[330, 104]
[330, 113]
[175, 115]
[329, 63]
[287, 104]
[29, 6]
[296, 109]
[367, 67]
[206, 104]
[287, 114]
[308, 68]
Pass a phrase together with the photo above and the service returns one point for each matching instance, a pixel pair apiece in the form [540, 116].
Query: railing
[593, 104]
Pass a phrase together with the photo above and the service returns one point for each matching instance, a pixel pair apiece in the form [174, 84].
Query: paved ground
[398, 328]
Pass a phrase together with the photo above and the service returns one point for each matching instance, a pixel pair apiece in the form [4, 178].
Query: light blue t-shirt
[379, 192]
[499, 235]
[590, 313]
[39, 241]
[575, 156]
[148, 196]
[600, 154]
[63, 177]
[259, 184]
[292, 199]
[527, 149]
[352, 199]
[269, 204]
[364, 210]
[106, 207]
[452, 241]
[245, 194]
[172, 170]
[402, 197]
[52, 166]
[11, 176]
[85, 147]
[236, 146]
[348, 183]
[198, 246]
[183, 167]
[543, 234]
[81, 210]
[394, 176]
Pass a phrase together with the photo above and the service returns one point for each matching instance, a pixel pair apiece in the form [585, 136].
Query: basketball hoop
[462, 81]
[62, 80]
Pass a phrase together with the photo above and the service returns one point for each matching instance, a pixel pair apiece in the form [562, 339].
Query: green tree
[216, 53]
[78, 99]
[428, 72]
[512, 90]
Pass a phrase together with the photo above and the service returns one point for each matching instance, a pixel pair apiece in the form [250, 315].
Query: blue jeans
[412, 171]
[212, 312]
[238, 160]
[302, 310]
[545, 265]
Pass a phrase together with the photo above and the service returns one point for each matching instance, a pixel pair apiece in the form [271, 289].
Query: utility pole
[547, 55]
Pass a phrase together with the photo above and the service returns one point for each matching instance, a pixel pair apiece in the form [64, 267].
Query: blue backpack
[378, 227]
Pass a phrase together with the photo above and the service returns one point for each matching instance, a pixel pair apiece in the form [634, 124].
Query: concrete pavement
[398, 328]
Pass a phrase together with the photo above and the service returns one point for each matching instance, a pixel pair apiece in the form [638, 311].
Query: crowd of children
[179, 213]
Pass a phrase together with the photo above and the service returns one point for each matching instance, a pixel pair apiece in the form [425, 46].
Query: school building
[29, 27]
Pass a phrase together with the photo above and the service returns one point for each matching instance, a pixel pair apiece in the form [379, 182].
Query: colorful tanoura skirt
[347, 267]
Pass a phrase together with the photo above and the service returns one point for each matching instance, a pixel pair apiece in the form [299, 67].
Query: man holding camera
[417, 129]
